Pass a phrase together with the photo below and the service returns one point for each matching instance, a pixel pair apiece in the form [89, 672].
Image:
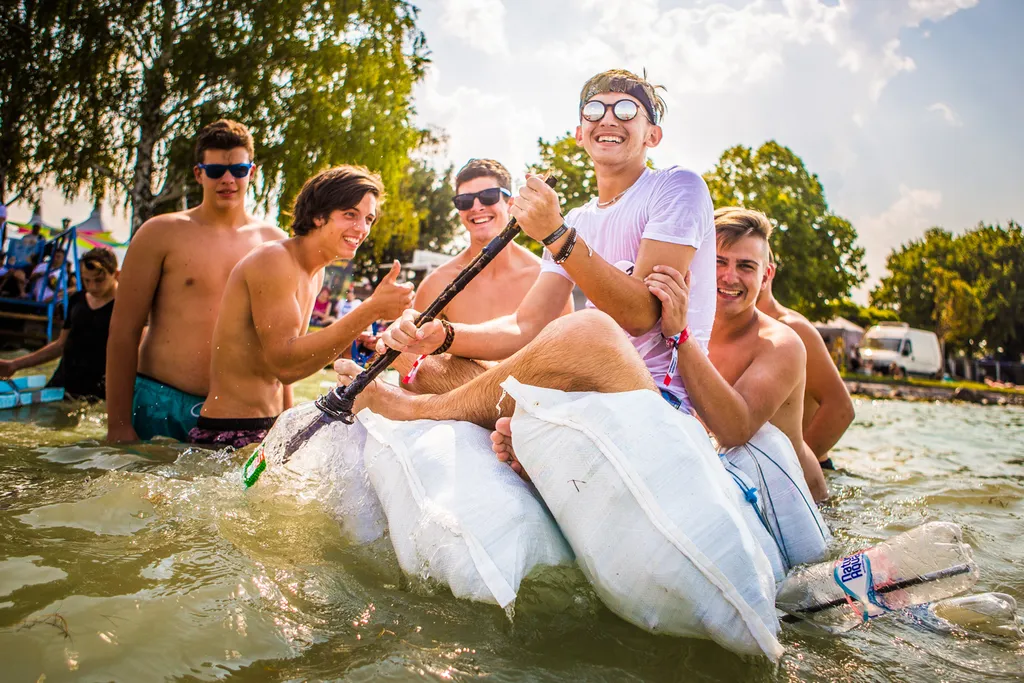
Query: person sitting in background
[321, 316]
[45, 276]
[31, 240]
[14, 281]
[348, 304]
[828, 410]
[82, 345]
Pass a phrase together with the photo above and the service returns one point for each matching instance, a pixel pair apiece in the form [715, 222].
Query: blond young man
[173, 278]
[754, 372]
[639, 220]
[828, 410]
[483, 197]
[261, 345]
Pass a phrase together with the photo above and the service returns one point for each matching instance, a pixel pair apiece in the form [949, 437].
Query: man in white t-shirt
[612, 248]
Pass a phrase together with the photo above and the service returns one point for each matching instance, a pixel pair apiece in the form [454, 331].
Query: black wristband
[566, 249]
[449, 337]
[553, 237]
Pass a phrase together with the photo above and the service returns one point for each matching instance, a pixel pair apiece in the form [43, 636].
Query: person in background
[348, 304]
[322, 309]
[43, 280]
[31, 240]
[82, 345]
[828, 410]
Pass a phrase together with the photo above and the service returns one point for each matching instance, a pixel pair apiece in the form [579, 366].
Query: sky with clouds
[909, 111]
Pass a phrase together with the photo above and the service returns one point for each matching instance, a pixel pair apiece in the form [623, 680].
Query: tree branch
[107, 173]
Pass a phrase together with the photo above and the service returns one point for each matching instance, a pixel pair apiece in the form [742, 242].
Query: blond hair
[733, 223]
[627, 83]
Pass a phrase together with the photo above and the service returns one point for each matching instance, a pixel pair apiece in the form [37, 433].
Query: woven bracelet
[566, 249]
[449, 337]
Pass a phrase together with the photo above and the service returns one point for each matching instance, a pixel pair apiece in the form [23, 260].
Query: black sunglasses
[624, 110]
[488, 197]
[214, 171]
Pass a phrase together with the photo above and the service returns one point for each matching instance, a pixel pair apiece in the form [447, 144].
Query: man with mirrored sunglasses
[172, 280]
[483, 195]
[612, 248]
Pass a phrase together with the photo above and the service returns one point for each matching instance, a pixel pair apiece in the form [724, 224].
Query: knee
[588, 329]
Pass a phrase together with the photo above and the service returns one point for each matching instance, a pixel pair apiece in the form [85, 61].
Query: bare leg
[438, 374]
[584, 351]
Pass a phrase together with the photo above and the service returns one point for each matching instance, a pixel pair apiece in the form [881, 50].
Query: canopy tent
[841, 327]
[90, 233]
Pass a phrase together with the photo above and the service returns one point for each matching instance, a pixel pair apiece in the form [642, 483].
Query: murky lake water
[152, 563]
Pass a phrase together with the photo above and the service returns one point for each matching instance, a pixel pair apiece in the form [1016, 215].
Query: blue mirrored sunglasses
[214, 171]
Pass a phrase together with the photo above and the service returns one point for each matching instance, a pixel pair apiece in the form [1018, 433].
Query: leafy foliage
[819, 261]
[56, 57]
[969, 288]
[318, 84]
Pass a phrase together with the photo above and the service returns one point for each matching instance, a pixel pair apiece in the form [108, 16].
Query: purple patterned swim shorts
[234, 432]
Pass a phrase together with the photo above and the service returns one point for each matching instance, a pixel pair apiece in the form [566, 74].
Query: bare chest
[200, 267]
[488, 298]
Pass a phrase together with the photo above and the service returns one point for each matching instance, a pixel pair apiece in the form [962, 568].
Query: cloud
[948, 115]
[905, 219]
[480, 23]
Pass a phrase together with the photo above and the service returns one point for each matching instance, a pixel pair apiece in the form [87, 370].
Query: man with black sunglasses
[614, 248]
[483, 195]
[173, 277]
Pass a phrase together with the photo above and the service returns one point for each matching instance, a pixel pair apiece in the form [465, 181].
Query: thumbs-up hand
[391, 298]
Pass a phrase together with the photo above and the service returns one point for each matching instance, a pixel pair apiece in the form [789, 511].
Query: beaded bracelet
[566, 249]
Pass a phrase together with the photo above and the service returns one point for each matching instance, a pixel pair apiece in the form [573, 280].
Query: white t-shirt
[669, 205]
[344, 306]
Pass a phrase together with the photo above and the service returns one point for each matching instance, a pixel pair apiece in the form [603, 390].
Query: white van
[889, 347]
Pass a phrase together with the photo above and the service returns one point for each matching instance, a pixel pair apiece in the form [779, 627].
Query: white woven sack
[776, 501]
[329, 467]
[456, 514]
[645, 503]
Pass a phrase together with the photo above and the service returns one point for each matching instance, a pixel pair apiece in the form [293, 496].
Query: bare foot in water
[501, 444]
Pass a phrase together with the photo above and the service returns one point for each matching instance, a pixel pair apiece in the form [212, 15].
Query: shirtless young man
[173, 277]
[640, 219]
[754, 372]
[484, 195]
[260, 345]
[828, 410]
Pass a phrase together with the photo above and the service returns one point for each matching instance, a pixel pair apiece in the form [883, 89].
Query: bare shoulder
[526, 259]
[160, 228]
[804, 328]
[269, 255]
[267, 231]
[780, 340]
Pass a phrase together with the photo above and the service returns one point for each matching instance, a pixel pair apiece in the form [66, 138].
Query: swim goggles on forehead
[488, 197]
[624, 110]
[214, 171]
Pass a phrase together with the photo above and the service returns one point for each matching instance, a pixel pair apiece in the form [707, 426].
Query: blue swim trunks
[672, 399]
[159, 409]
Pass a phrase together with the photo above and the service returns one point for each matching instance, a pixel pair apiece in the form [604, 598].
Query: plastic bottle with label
[926, 564]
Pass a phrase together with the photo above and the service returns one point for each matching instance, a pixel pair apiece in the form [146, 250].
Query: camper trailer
[900, 350]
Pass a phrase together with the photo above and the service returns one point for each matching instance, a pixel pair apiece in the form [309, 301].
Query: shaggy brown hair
[224, 134]
[484, 168]
[336, 189]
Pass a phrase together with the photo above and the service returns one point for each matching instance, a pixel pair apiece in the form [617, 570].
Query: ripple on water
[162, 566]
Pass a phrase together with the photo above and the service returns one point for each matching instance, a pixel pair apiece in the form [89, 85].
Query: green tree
[318, 83]
[969, 288]
[865, 316]
[820, 262]
[56, 56]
